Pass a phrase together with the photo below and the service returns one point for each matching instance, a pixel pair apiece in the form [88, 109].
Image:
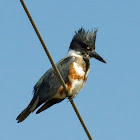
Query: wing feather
[49, 83]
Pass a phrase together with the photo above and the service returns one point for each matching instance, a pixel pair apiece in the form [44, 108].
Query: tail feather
[23, 115]
[26, 112]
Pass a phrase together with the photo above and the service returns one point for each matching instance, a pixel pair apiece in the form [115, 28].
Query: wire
[56, 70]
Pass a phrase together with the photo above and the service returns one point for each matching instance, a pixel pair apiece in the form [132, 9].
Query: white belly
[76, 84]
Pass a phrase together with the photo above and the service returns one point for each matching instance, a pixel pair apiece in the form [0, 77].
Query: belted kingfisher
[74, 69]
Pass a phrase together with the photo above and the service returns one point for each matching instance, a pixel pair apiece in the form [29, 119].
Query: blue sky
[109, 102]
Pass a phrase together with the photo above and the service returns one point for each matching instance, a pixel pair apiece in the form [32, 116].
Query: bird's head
[83, 44]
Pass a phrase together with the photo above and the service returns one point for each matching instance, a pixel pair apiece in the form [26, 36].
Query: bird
[74, 69]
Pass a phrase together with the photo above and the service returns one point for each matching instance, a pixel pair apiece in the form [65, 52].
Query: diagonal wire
[56, 70]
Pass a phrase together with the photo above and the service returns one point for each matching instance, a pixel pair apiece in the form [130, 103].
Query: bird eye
[89, 49]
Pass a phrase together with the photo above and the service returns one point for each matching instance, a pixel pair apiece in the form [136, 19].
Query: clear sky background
[110, 101]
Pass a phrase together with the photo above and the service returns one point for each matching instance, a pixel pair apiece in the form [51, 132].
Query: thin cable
[56, 70]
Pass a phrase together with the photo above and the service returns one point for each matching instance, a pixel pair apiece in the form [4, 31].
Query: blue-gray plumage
[74, 69]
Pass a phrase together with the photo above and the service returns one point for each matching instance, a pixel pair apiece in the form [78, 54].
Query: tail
[26, 112]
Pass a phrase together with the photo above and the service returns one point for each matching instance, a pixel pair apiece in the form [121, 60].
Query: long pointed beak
[98, 57]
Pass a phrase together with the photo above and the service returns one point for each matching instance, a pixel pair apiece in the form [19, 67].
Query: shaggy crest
[84, 38]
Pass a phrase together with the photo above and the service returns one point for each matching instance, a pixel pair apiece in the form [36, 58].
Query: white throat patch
[74, 53]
